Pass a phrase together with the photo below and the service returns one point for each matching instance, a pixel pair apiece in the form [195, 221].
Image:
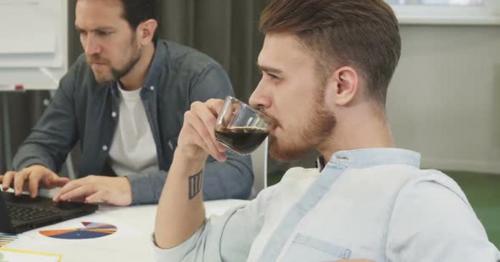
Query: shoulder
[433, 189]
[184, 58]
[433, 219]
[187, 67]
[432, 197]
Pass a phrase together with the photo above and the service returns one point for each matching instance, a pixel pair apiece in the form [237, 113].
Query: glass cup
[240, 127]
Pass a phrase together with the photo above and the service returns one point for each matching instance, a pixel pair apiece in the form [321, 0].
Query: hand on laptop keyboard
[31, 178]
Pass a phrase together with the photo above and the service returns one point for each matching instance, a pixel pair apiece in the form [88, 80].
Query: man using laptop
[370, 200]
[124, 101]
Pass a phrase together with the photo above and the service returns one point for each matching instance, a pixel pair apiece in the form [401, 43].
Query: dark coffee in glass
[240, 127]
[243, 140]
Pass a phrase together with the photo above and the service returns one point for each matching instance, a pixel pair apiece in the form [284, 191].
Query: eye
[82, 33]
[272, 76]
[103, 33]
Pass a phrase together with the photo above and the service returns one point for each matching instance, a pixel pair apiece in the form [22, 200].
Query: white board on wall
[33, 43]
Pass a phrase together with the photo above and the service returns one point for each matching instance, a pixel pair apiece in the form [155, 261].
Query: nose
[259, 97]
[90, 45]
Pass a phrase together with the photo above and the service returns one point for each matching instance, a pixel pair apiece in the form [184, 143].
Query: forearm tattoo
[194, 185]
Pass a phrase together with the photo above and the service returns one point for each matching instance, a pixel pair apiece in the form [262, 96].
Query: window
[467, 12]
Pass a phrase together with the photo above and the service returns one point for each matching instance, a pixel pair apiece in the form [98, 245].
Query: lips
[272, 122]
[98, 63]
[96, 60]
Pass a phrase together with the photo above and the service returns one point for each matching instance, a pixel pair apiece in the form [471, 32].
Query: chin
[101, 79]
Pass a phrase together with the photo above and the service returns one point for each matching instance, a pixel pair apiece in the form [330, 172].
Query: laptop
[22, 213]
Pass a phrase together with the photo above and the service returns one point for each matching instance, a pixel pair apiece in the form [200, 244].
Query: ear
[344, 81]
[146, 31]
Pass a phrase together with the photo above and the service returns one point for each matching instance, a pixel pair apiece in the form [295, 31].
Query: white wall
[444, 100]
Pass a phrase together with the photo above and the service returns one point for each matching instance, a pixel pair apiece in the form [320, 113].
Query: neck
[135, 78]
[362, 127]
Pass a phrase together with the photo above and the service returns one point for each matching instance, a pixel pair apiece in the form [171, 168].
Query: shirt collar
[363, 158]
[153, 76]
[157, 66]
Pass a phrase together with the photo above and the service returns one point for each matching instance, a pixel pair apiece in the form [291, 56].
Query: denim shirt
[87, 112]
[374, 204]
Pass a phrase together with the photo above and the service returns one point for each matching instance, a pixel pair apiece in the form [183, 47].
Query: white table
[131, 241]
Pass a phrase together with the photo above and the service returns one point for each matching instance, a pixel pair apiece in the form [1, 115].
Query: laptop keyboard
[24, 213]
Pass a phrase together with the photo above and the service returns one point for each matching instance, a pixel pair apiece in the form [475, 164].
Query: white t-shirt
[133, 150]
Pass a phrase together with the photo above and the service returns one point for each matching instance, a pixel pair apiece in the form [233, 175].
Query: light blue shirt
[372, 204]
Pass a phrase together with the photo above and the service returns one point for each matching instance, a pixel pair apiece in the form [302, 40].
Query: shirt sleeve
[222, 238]
[234, 177]
[54, 135]
[433, 221]
[231, 179]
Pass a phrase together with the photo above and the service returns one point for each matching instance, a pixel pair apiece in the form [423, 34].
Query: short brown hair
[363, 34]
[138, 11]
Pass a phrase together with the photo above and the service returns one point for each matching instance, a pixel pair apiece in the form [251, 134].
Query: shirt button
[152, 88]
[113, 115]
[104, 148]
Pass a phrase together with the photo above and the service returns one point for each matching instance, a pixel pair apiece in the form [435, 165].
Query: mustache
[96, 59]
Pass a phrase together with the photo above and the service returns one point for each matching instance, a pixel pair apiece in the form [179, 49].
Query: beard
[114, 73]
[119, 73]
[315, 130]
